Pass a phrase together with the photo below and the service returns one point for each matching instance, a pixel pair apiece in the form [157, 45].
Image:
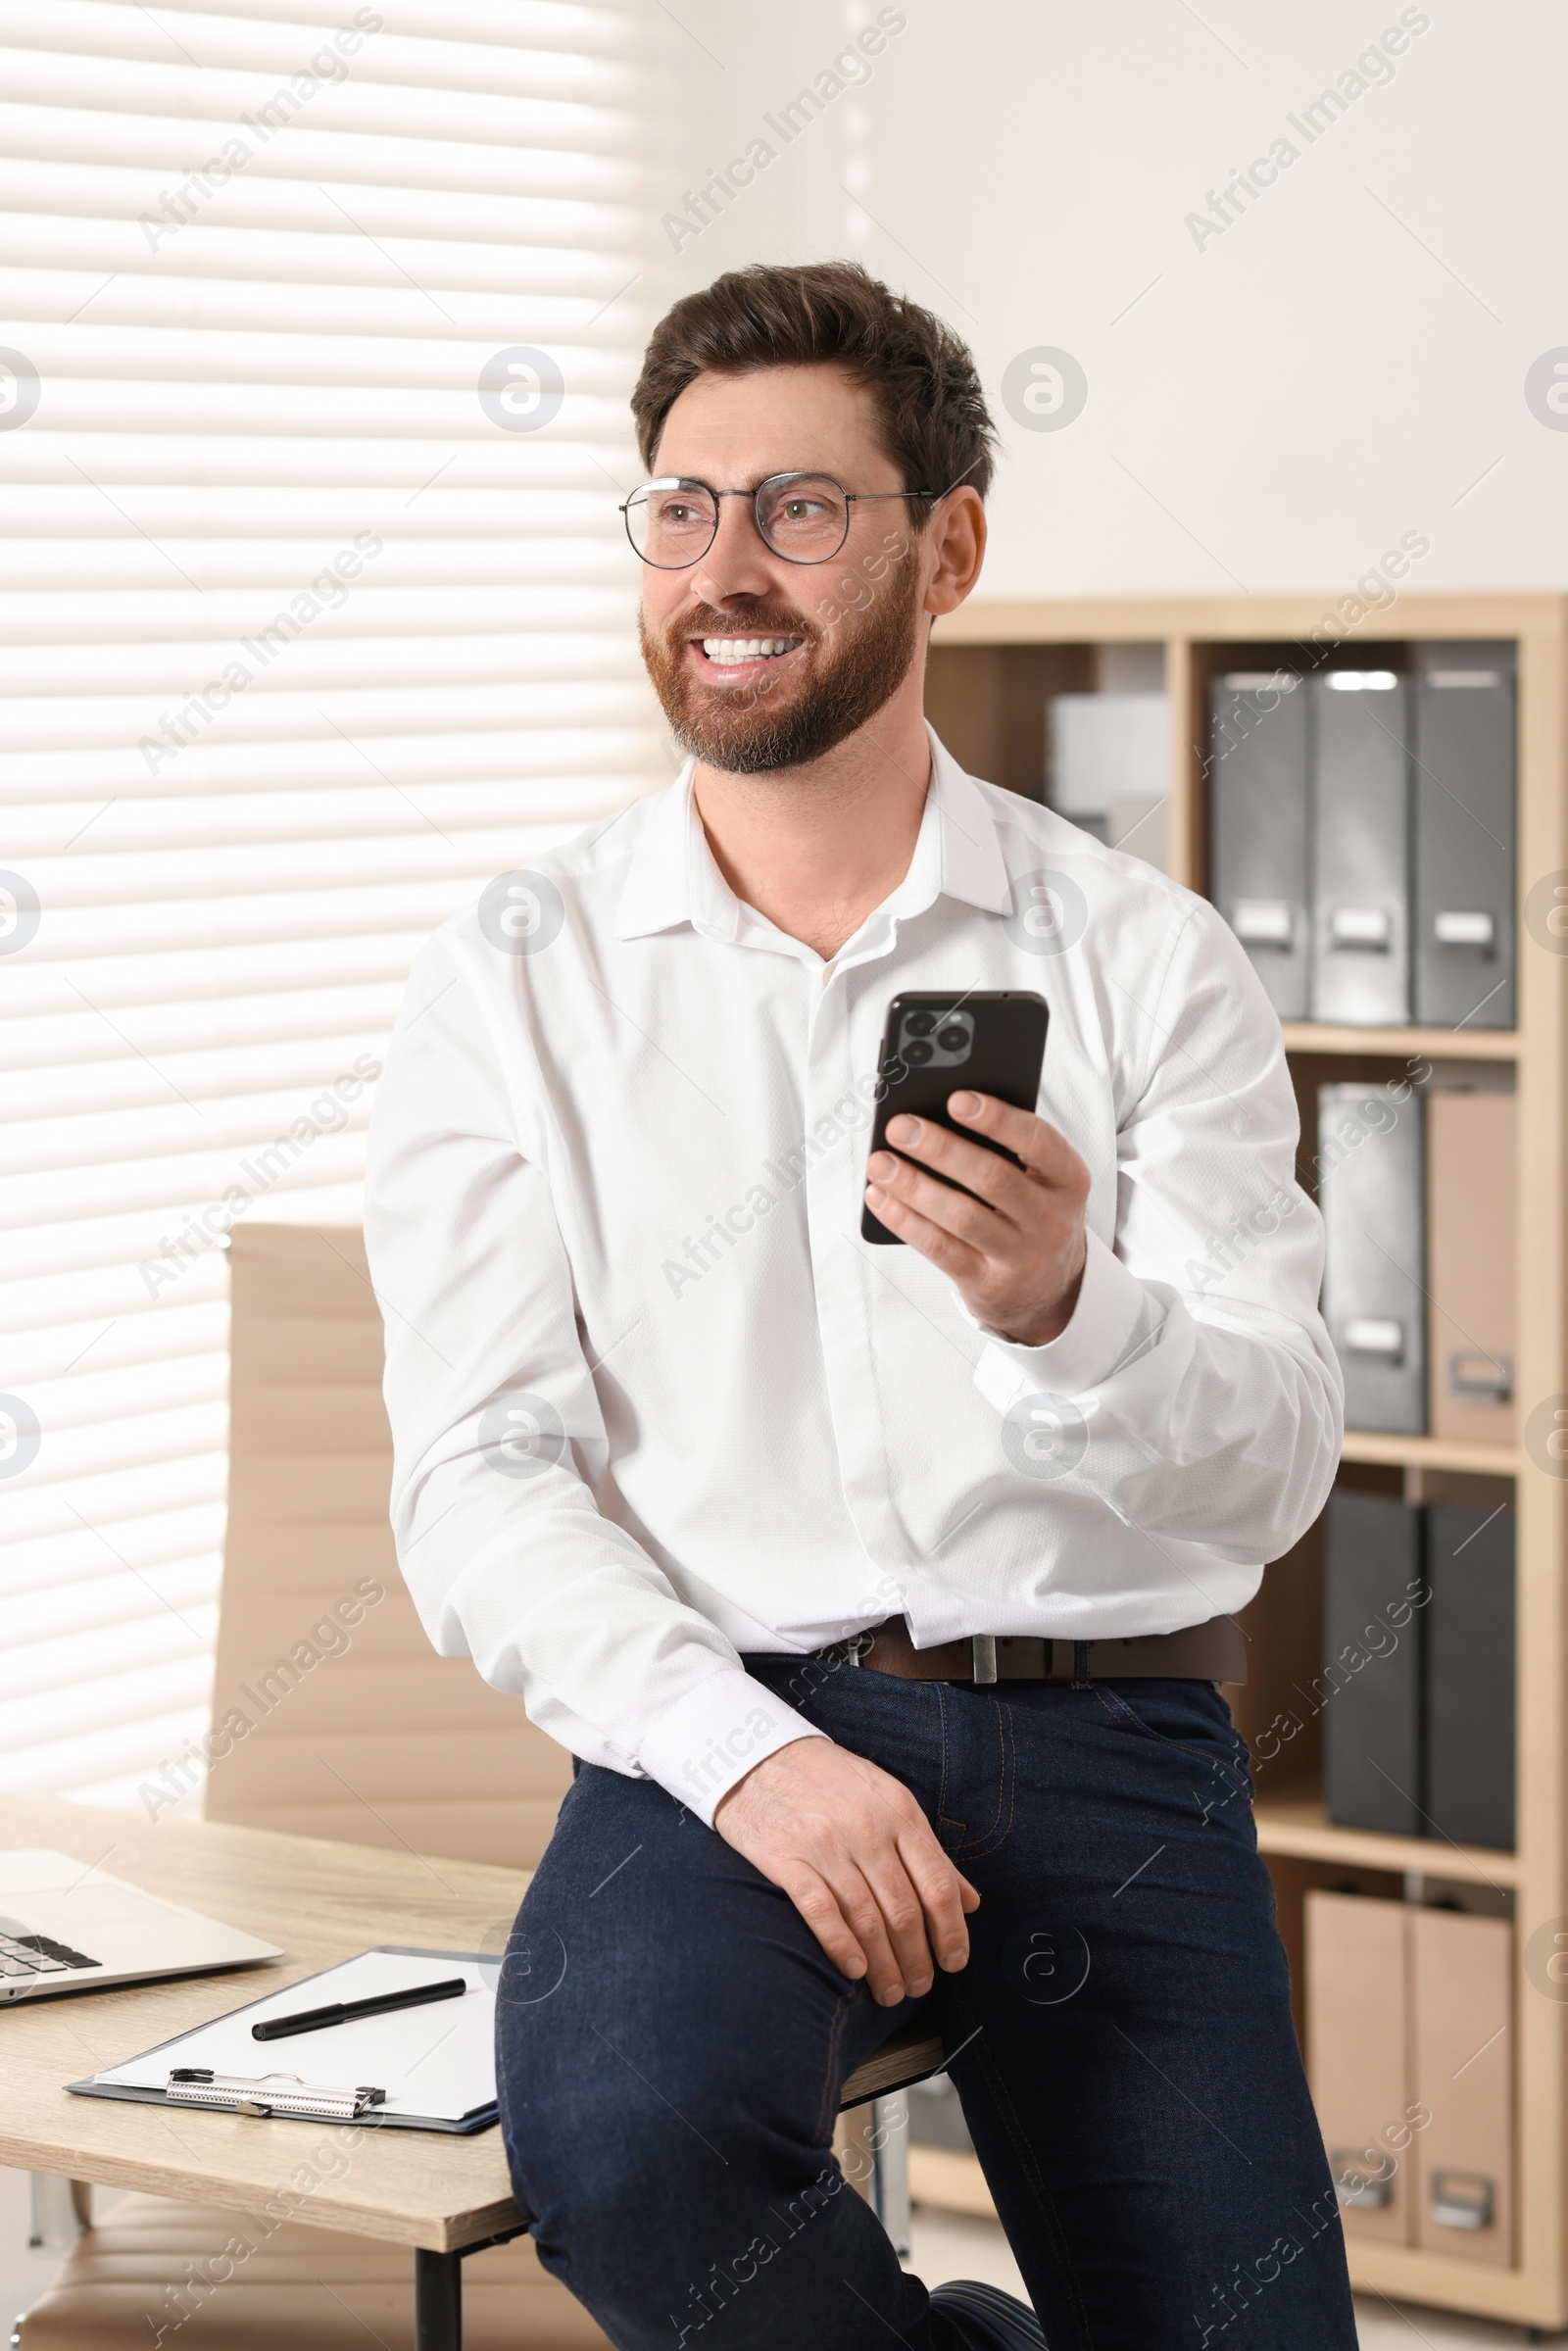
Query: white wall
[1340, 366]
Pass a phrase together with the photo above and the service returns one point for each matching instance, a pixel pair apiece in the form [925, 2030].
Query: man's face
[833, 640]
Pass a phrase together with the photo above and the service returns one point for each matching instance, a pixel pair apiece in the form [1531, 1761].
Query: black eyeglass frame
[679, 481]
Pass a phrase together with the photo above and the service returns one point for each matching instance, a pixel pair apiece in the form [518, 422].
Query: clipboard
[430, 2068]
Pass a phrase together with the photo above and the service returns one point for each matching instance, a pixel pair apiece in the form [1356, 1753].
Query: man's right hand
[855, 1854]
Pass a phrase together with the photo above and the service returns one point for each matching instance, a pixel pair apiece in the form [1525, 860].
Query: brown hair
[935, 424]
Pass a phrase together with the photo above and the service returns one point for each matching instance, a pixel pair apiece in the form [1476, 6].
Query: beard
[841, 677]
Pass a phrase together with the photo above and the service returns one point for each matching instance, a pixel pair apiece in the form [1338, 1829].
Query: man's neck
[817, 849]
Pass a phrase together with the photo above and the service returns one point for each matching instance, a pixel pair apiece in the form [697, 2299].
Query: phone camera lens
[916, 1051]
[919, 1024]
[952, 1039]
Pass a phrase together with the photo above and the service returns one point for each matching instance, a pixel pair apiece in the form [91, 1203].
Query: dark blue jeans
[672, 2042]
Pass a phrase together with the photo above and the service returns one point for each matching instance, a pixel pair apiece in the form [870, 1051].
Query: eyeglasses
[805, 518]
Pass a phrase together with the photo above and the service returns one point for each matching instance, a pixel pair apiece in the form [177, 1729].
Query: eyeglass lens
[805, 518]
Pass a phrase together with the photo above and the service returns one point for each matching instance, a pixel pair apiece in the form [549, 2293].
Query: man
[740, 1504]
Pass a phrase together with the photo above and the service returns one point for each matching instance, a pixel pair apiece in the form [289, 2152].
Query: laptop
[67, 1927]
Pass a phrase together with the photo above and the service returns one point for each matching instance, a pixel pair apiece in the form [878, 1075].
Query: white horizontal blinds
[301, 639]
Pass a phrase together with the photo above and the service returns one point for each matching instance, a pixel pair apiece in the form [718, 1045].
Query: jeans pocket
[978, 1793]
[1191, 1718]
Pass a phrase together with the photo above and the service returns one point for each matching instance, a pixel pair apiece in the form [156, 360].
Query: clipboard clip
[263, 2094]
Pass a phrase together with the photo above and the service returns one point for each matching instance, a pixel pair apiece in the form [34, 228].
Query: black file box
[1370, 1684]
[1470, 1676]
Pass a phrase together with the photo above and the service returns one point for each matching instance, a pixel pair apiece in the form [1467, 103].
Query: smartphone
[990, 1039]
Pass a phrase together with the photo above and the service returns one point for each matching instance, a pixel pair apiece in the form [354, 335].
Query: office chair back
[334, 1714]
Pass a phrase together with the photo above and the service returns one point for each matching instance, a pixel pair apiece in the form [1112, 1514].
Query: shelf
[1431, 1045]
[1239, 619]
[1432, 1453]
[1410, 2273]
[1291, 1823]
[952, 2181]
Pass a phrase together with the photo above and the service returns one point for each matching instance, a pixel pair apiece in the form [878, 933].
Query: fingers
[851, 1847]
[974, 1221]
[961, 1259]
[1049, 1162]
[884, 1911]
[995, 1180]
[944, 1896]
[1008, 1201]
[1044, 1150]
[819, 1907]
[883, 1916]
[852, 1920]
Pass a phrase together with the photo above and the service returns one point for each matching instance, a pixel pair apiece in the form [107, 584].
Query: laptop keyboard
[39, 1955]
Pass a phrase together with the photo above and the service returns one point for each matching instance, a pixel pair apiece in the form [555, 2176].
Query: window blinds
[317, 322]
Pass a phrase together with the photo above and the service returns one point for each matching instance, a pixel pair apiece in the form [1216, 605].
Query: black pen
[342, 2011]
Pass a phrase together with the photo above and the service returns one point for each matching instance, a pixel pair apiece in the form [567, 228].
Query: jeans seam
[1008, 2114]
[827, 2105]
[1001, 1824]
[1118, 1707]
[944, 1822]
[525, 2201]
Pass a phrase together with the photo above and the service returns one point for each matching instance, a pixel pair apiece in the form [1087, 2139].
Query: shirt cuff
[714, 1734]
[1111, 1304]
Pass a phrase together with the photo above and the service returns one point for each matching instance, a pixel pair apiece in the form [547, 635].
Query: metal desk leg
[61, 2211]
[889, 2174]
[437, 2301]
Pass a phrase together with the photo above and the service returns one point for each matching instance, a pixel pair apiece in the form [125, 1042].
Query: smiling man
[883, 1594]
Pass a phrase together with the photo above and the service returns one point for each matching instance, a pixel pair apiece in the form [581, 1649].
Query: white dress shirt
[656, 1404]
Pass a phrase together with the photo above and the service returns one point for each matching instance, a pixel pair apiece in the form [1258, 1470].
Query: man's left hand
[1015, 1251]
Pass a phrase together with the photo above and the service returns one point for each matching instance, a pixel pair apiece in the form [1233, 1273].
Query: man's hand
[1014, 1253]
[855, 1854]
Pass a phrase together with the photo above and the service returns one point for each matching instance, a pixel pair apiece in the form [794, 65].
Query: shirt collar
[673, 877]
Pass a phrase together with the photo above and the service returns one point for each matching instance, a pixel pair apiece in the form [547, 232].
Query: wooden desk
[323, 1902]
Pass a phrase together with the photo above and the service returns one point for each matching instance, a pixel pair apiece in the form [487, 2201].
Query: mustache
[704, 621]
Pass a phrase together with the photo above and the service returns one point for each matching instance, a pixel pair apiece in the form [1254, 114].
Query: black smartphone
[990, 1039]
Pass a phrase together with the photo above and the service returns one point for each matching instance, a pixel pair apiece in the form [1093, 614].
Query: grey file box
[1465, 836]
[1371, 1677]
[1372, 1193]
[1470, 1675]
[1360, 828]
[1257, 825]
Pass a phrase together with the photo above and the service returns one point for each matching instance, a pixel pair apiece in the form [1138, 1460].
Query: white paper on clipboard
[438, 2062]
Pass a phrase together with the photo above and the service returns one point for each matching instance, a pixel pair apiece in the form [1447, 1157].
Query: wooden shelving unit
[990, 666]
[1431, 1453]
[1432, 1044]
[1290, 1821]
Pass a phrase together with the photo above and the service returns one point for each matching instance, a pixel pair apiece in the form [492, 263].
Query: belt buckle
[848, 1651]
[983, 1658]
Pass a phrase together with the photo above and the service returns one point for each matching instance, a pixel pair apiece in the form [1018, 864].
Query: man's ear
[960, 523]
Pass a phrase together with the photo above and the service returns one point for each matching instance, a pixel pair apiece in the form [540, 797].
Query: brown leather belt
[1215, 1652]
